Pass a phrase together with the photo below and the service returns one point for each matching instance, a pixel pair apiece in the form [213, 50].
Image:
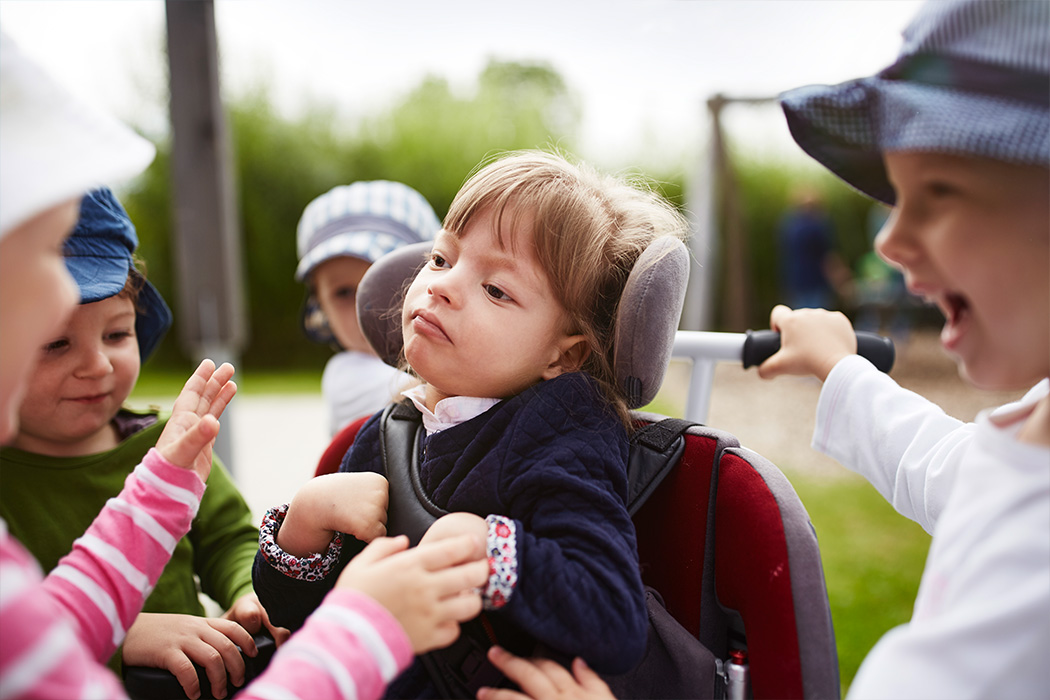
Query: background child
[340, 235]
[956, 136]
[76, 445]
[56, 630]
[510, 326]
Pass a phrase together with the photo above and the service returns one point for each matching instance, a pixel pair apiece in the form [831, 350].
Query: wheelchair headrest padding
[648, 315]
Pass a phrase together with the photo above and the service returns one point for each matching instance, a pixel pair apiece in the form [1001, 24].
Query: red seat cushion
[333, 454]
[671, 530]
[753, 577]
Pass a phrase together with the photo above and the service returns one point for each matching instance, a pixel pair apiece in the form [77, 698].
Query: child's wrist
[503, 562]
[311, 566]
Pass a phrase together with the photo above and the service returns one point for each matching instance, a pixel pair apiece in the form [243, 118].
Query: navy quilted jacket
[553, 459]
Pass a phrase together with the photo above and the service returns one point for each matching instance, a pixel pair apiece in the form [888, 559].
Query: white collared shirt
[448, 412]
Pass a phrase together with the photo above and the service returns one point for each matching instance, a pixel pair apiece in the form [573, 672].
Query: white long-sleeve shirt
[981, 623]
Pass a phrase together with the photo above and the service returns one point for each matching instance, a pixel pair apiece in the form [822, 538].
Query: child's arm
[389, 603]
[352, 503]
[297, 565]
[86, 603]
[893, 437]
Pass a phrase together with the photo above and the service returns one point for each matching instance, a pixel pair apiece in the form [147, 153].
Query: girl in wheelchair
[510, 325]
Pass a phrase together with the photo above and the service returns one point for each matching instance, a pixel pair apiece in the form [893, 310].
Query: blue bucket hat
[98, 256]
[972, 79]
[366, 220]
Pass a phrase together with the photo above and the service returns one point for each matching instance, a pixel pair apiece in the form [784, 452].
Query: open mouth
[956, 311]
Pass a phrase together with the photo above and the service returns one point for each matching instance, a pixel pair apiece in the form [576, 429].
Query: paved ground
[277, 440]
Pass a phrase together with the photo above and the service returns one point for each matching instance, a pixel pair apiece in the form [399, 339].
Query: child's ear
[572, 351]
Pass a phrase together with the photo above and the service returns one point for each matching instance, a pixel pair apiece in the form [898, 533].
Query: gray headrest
[650, 309]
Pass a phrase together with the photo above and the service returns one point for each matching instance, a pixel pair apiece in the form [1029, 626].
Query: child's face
[36, 296]
[83, 377]
[481, 321]
[973, 236]
[335, 283]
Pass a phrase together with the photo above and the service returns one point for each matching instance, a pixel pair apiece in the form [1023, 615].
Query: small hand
[176, 642]
[249, 613]
[190, 432]
[455, 524]
[812, 341]
[429, 589]
[353, 503]
[543, 679]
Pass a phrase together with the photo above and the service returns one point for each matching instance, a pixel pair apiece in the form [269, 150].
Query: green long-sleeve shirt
[50, 501]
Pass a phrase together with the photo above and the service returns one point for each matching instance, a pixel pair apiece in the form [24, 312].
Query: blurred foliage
[432, 138]
[767, 189]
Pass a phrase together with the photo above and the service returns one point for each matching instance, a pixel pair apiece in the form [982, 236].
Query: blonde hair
[588, 229]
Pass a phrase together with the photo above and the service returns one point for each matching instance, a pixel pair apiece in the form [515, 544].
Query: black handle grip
[145, 683]
[879, 350]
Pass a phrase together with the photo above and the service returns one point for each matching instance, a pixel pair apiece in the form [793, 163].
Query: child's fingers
[451, 551]
[462, 577]
[778, 314]
[462, 607]
[381, 548]
[526, 673]
[226, 394]
[213, 388]
[587, 678]
[191, 390]
[183, 450]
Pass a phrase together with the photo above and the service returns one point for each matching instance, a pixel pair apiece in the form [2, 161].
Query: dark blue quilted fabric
[554, 459]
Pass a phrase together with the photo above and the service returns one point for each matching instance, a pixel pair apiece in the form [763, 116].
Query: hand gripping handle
[879, 350]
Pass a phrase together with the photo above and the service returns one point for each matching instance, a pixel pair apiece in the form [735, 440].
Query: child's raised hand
[812, 341]
[188, 437]
[430, 589]
[176, 642]
[543, 678]
[354, 503]
[250, 614]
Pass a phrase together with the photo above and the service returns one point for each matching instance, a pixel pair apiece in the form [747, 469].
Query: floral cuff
[314, 567]
[503, 562]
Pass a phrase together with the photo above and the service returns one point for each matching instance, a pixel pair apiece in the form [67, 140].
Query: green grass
[157, 385]
[873, 560]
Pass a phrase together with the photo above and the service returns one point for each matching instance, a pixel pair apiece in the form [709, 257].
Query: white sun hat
[53, 145]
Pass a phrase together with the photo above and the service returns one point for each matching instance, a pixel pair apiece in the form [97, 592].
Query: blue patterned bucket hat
[972, 79]
[98, 256]
[364, 220]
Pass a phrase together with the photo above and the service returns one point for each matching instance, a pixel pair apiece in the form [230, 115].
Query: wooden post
[211, 319]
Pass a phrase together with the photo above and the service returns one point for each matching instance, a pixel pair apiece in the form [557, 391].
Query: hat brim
[152, 320]
[101, 279]
[53, 146]
[848, 127]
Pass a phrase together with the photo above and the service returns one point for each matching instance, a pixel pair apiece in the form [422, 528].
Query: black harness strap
[460, 669]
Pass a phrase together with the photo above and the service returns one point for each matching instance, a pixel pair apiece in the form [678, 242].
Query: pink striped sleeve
[103, 581]
[350, 647]
[41, 655]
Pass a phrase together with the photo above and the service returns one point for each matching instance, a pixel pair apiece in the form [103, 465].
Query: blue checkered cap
[365, 220]
[972, 79]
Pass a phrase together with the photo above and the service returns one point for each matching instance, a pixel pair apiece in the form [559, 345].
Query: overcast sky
[643, 68]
